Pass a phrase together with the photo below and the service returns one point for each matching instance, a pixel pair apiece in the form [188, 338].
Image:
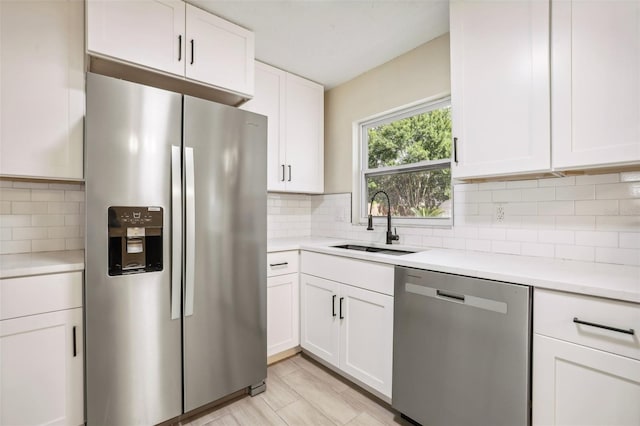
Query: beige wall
[421, 73]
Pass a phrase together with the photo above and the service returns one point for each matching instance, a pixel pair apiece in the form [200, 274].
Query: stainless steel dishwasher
[461, 350]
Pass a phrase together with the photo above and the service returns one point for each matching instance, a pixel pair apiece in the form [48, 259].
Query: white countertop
[49, 262]
[595, 279]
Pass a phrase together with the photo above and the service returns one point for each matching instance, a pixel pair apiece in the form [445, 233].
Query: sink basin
[370, 249]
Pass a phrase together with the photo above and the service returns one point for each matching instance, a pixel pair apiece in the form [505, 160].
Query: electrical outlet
[499, 213]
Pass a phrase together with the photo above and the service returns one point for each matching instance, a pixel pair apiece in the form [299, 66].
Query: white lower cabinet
[350, 328]
[577, 385]
[283, 317]
[41, 374]
[586, 361]
[283, 301]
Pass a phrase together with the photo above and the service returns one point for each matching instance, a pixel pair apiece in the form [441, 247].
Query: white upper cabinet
[294, 107]
[149, 33]
[175, 38]
[595, 83]
[304, 159]
[219, 52]
[500, 87]
[41, 89]
[269, 100]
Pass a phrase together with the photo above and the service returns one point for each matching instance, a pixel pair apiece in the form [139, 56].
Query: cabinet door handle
[278, 264]
[455, 150]
[179, 47]
[283, 173]
[192, 51]
[630, 331]
[333, 305]
[289, 172]
[75, 352]
[341, 299]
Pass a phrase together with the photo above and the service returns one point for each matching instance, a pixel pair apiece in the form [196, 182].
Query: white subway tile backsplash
[77, 196]
[505, 247]
[618, 191]
[29, 233]
[14, 220]
[597, 207]
[5, 207]
[5, 234]
[556, 236]
[522, 184]
[556, 208]
[593, 179]
[454, 243]
[539, 194]
[630, 207]
[586, 254]
[492, 234]
[28, 207]
[63, 208]
[73, 243]
[522, 235]
[11, 247]
[597, 239]
[47, 220]
[479, 245]
[538, 250]
[464, 187]
[67, 186]
[630, 240]
[47, 195]
[507, 195]
[630, 176]
[30, 185]
[11, 194]
[6, 184]
[581, 192]
[618, 223]
[63, 232]
[47, 245]
[491, 185]
[577, 223]
[563, 181]
[622, 256]
[520, 209]
[432, 241]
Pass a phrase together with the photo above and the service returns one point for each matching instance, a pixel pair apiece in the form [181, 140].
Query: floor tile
[321, 396]
[362, 402]
[254, 411]
[284, 367]
[227, 420]
[278, 393]
[301, 413]
[365, 419]
[321, 374]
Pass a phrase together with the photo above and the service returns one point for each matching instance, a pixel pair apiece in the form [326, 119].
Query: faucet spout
[390, 235]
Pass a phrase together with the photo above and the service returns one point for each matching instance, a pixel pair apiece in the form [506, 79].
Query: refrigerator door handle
[190, 241]
[176, 227]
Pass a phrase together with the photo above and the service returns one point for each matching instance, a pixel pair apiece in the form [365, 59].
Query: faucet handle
[395, 236]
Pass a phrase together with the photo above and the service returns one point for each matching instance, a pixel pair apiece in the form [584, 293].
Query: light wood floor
[302, 392]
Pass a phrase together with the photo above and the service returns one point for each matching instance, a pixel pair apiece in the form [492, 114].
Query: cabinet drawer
[38, 294]
[556, 313]
[282, 262]
[360, 273]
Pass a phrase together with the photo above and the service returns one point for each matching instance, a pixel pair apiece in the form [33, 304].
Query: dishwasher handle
[453, 296]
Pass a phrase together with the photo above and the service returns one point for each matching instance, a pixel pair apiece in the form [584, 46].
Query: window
[407, 154]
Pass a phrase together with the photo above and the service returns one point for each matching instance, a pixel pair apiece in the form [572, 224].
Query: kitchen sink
[371, 249]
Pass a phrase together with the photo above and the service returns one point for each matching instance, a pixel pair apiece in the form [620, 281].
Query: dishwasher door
[461, 350]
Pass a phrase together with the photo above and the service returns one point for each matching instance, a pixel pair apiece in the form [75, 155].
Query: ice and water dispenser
[135, 240]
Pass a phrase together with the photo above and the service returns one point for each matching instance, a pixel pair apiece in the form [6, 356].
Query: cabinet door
[283, 313]
[148, 32]
[319, 322]
[41, 371]
[576, 385]
[268, 100]
[41, 89]
[219, 52]
[596, 89]
[366, 337]
[304, 123]
[500, 87]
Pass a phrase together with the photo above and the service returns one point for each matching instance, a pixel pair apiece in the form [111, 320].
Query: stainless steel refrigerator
[175, 285]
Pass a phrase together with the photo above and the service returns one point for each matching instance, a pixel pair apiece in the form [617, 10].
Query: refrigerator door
[225, 248]
[133, 347]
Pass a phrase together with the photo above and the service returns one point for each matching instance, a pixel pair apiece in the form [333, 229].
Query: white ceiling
[333, 41]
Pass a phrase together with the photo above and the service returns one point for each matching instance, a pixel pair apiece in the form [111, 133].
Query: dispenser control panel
[135, 239]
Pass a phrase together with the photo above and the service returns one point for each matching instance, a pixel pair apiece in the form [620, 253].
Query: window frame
[360, 161]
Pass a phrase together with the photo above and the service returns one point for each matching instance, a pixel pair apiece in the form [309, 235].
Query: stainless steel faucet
[390, 236]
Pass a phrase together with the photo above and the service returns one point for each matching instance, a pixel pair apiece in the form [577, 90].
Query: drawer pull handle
[333, 305]
[75, 351]
[273, 265]
[630, 331]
